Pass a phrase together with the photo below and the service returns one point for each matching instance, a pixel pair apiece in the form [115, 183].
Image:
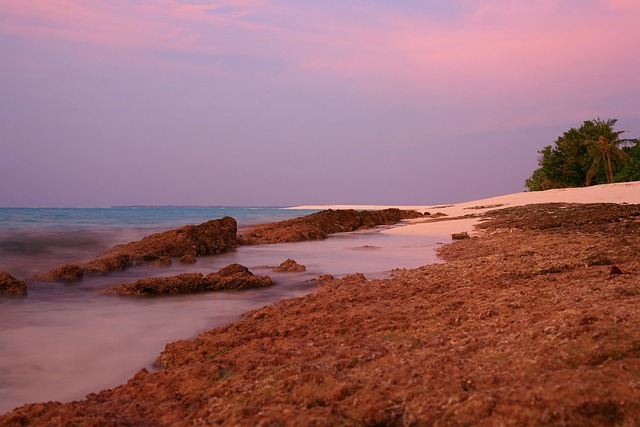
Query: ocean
[64, 341]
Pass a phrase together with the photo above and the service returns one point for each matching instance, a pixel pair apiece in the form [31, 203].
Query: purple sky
[252, 102]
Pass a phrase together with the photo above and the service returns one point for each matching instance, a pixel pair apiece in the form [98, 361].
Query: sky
[281, 103]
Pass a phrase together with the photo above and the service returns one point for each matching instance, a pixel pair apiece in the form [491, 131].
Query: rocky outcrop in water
[218, 236]
[209, 238]
[68, 273]
[10, 286]
[319, 225]
[234, 276]
[288, 266]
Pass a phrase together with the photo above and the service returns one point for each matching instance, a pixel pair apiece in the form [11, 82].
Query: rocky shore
[532, 322]
[320, 225]
[209, 238]
[220, 235]
[231, 277]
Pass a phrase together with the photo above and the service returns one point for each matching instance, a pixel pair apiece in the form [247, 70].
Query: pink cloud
[511, 49]
[519, 52]
[166, 24]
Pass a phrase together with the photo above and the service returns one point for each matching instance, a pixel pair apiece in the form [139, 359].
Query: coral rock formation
[209, 238]
[319, 225]
[234, 276]
[289, 265]
[10, 286]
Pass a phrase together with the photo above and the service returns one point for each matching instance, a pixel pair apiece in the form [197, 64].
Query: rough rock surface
[209, 238]
[514, 329]
[319, 225]
[290, 265]
[218, 236]
[234, 276]
[67, 273]
[188, 259]
[10, 286]
[323, 278]
[460, 236]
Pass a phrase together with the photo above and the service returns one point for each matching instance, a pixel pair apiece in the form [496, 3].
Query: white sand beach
[624, 192]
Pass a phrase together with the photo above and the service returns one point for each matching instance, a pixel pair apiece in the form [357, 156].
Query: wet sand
[532, 321]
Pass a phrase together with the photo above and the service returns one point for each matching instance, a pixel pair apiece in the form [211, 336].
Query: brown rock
[161, 261]
[108, 263]
[67, 273]
[319, 225]
[188, 259]
[616, 270]
[460, 236]
[439, 215]
[10, 286]
[597, 259]
[232, 269]
[323, 278]
[234, 276]
[209, 238]
[173, 285]
[289, 265]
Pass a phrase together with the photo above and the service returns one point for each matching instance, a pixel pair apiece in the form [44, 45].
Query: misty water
[64, 341]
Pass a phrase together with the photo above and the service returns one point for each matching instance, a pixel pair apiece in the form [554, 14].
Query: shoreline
[622, 192]
[523, 324]
[81, 366]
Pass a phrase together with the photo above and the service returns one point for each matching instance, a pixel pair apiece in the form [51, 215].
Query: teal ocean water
[64, 341]
[136, 216]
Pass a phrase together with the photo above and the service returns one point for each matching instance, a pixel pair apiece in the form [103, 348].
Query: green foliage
[631, 170]
[587, 155]
[602, 143]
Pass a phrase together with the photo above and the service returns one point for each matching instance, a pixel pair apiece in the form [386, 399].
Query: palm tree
[603, 144]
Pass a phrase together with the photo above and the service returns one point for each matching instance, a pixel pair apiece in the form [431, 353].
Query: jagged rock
[616, 270]
[10, 286]
[597, 259]
[181, 284]
[460, 236]
[188, 259]
[161, 261]
[67, 273]
[232, 269]
[234, 276]
[209, 238]
[106, 264]
[319, 225]
[323, 278]
[289, 265]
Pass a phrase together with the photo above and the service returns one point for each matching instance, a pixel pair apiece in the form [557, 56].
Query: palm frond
[593, 170]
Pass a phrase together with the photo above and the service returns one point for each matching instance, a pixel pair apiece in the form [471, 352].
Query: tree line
[594, 153]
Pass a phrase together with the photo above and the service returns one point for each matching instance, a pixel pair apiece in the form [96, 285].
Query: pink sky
[259, 102]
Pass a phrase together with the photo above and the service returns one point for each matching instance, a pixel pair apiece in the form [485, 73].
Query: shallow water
[64, 341]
